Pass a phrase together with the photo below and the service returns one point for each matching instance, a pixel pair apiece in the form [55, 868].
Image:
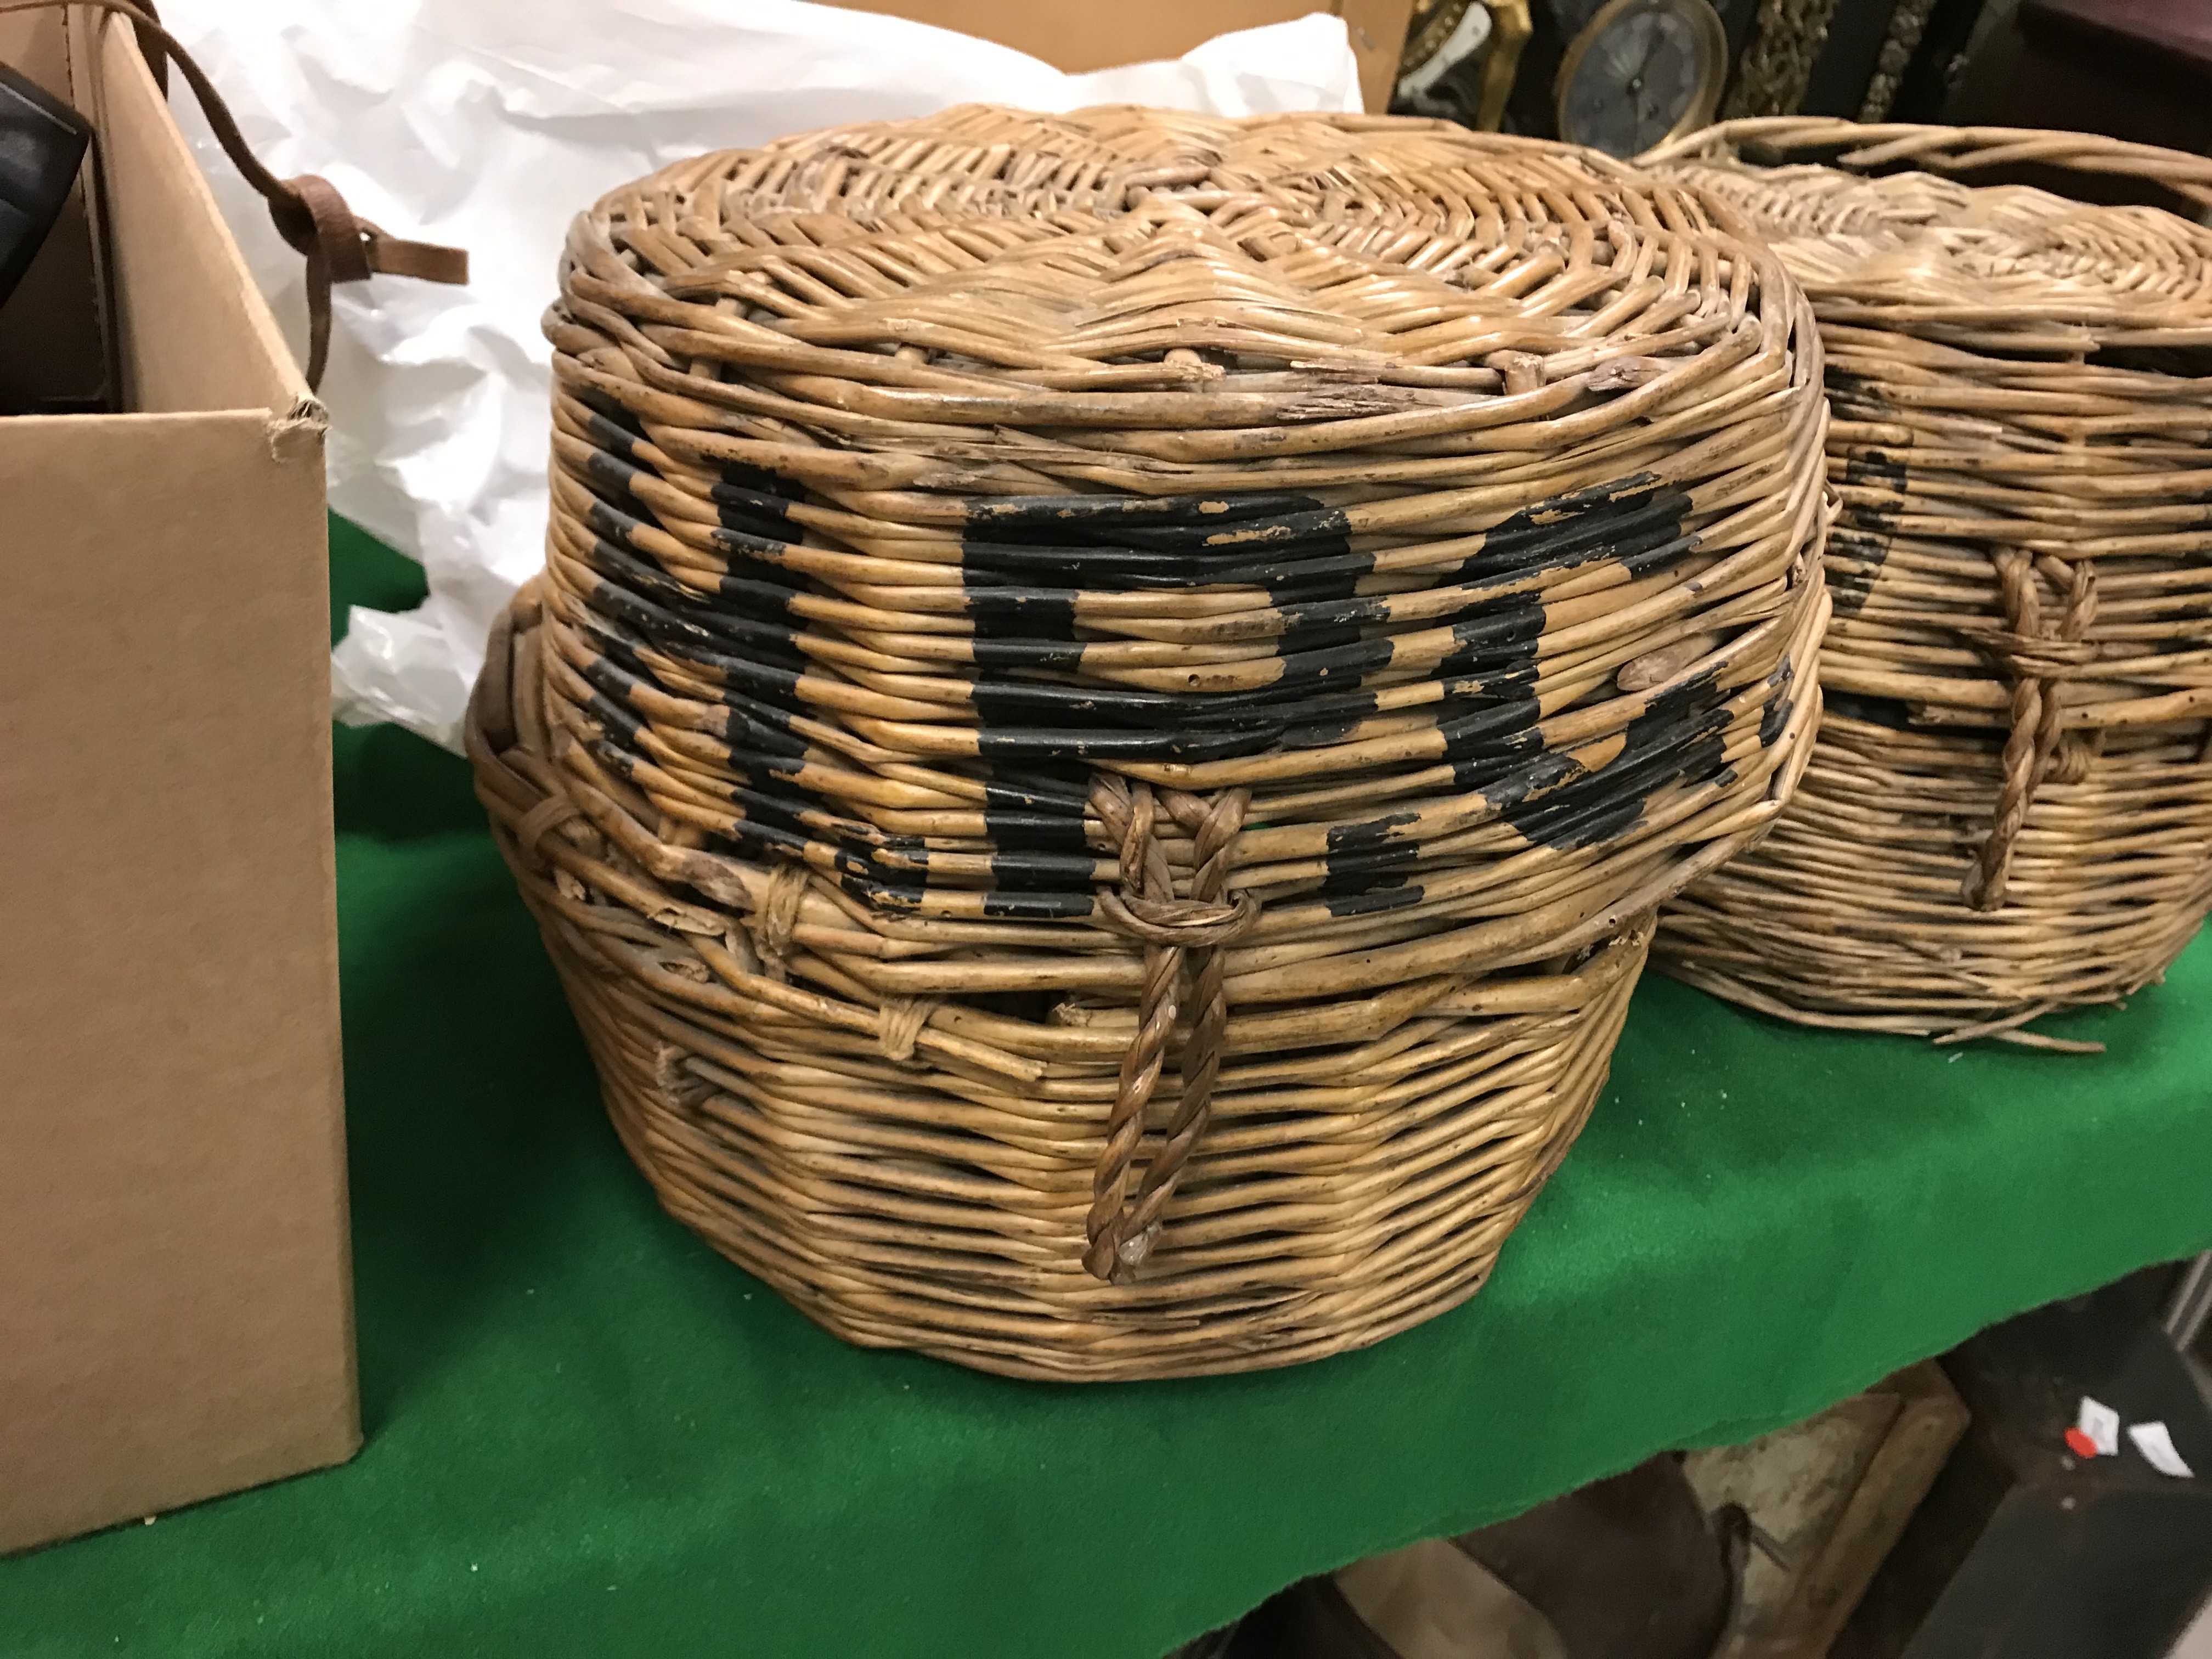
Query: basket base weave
[1851, 913]
[1342, 1193]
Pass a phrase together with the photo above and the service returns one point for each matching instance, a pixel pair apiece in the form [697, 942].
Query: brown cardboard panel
[51, 347]
[1377, 28]
[31, 43]
[1079, 38]
[52, 356]
[174, 1316]
[187, 287]
[175, 1306]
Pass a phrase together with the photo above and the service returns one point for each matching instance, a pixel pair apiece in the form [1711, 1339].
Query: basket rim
[1937, 148]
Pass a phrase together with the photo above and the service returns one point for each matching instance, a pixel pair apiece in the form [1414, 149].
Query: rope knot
[1197, 926]
[1184, 924]
[899, 1021]
[775, 917]
[2039, 662]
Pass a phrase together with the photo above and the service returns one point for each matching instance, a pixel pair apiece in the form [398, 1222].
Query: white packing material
[2155, 1442]
[488, 124]
[2099, 1425]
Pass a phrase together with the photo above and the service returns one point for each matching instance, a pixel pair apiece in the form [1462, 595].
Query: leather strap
[150, 50]
[308, 212]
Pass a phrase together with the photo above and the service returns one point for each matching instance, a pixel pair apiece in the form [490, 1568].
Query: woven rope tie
[2037, 666]
[1122, 1227]
[675, 1080]
[542, 820]
[899, 1021]
[777, 918]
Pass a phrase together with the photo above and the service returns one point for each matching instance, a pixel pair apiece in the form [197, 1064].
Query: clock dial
[1642, 71]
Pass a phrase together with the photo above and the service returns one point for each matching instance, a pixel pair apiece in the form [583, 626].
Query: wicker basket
[1038, 604]
[2010, 809]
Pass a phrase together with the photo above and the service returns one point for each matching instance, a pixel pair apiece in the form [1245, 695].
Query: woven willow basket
[1113, 695]
[2010, 809]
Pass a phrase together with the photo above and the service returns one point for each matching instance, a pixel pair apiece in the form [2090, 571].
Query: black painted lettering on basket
[1774, 714]
[772, 667]
[1035, 518]
[1498, 638]
[750, 514]
[1367, 854]
[609, 426]
[1872, 471]
[1118, 568]
[1029, 614]
[761, 615]
[1309, 617]
[880, 895]
[1035, 789]
[620, 761]
[1306, 564]
[751, 832]
[1853, 397]
[756, 489]
[760, 721]
[1282, 543]
[1334, 665]
[763, 550]
[803, 816]
[1065, 655]
[604, 471]
[1002, 704]
[1876, 467]
[634, 690]
[1326, 720]
[1680, 735]
[1888, 712]
[1859, 542]
[1039, 907]
[1349, 872]
[1040, 831]
[619, 646]
[1035, 811]
[766, 730]
[1030, 744]
[1609, 520]
[1853, 562]
[612, 718]
[1498, 724]
[1388, 893]
[765, 600]
[1486, 744]
[1025, 870]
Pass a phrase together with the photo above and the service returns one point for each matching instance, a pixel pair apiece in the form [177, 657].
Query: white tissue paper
[488, 124]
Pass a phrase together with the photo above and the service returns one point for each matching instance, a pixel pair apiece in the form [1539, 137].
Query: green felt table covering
[589, 1435]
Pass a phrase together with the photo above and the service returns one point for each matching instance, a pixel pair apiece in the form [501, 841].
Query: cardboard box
[1079, 37]
[175, 1291]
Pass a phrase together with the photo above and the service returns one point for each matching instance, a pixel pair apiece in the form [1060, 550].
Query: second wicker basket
[2009, 810]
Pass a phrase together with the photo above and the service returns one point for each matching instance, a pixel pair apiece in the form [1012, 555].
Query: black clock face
[1642, 70]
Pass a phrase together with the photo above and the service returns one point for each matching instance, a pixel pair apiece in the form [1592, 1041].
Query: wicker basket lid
[1205, 279]
[1900, 247]
[1375, 465]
